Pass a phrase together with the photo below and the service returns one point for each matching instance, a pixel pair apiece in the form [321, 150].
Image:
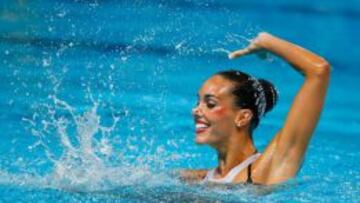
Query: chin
[208, 138]
[200, 140]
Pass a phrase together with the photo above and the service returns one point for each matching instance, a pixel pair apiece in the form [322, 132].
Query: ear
[243, 117]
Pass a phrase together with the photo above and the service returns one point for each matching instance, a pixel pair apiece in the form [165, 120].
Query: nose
[196, 111]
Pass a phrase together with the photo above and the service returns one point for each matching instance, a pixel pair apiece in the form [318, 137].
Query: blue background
[142, 62]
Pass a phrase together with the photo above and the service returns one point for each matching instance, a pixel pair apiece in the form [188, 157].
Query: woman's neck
[238, 148]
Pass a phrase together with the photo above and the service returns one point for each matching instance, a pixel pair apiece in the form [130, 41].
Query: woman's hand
[255, 46]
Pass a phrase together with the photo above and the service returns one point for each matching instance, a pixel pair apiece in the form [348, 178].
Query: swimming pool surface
[96, 97]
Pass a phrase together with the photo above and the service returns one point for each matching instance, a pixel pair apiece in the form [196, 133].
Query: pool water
[96, 97]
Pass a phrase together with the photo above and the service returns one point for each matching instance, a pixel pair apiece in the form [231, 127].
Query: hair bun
[271, 94]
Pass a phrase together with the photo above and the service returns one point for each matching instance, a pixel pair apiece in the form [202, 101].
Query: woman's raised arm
[283, 157]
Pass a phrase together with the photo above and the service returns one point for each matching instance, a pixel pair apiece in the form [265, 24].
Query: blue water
[96, 97]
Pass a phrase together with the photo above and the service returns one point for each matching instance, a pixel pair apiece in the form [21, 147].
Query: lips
[201, 126]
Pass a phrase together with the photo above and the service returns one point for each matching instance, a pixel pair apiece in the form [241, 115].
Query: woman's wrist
[263, 39]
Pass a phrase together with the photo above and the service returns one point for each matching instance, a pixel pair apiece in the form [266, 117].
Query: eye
[210, 104]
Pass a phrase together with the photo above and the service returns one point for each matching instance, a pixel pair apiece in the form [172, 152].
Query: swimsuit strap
[233, 172]
[249, 179]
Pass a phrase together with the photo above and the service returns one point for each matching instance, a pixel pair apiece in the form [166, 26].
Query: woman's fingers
[239, 53]
[254, 47]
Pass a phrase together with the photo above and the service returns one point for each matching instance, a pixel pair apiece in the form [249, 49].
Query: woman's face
[215, 112]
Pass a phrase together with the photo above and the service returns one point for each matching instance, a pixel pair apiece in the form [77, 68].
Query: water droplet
[45, 63]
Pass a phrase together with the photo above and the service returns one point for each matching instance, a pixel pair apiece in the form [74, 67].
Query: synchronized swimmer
[231, 104]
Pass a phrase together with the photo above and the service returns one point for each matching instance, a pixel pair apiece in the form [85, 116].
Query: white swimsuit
[232, 173]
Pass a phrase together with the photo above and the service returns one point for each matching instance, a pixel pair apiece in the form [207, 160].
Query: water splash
[79, 166]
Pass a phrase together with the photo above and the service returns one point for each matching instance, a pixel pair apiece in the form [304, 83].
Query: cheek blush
[220, 111]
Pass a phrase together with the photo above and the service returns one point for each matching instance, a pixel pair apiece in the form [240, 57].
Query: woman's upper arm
[283, 157]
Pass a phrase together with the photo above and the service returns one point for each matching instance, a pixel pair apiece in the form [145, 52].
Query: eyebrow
[207, 96]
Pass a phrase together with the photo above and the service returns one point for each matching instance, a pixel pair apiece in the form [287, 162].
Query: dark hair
[258, 95]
